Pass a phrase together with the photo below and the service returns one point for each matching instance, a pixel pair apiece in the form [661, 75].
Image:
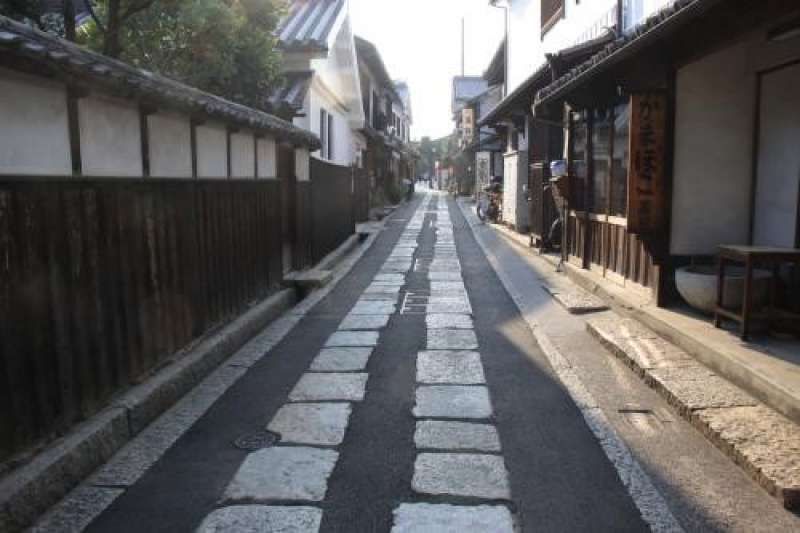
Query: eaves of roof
[23, 47]
[520, 100]
[308, 25]
[647, 33]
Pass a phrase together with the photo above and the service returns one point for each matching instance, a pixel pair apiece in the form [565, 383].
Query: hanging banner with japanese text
[646, 187]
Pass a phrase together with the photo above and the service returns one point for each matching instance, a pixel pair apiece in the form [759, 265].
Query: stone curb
[28, 491]
[765, 444]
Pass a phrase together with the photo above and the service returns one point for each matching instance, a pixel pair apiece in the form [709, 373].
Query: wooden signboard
[468, 124]
[646, 187]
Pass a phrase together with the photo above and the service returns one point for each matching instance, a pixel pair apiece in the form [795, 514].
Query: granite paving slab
[389, 278]
[367, 307]
[384, 287]
[352, 338]
[450, 367]
[461, 474]
[443, 518]
[452, 339]
[364, 322]
[331, 387]
[452, 435]
[695, 387]
[452, 401]
[449, 307]
[639, 348]
[293, 473]
[764, 443]
[262, 518]
[576, 300]
[341, 359]
[448, 321]
[445, 276]
[321, 424]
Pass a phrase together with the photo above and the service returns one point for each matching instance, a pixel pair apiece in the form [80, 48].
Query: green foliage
[225, 47]
[22, 10]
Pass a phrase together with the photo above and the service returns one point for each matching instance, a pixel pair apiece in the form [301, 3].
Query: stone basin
[698, 286]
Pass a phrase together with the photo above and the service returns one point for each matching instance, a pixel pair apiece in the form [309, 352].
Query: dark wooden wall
[331, 207]
[608, 247]
[102, 279]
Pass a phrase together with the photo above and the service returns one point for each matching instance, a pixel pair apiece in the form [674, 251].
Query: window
[601, 146]
[618, 203]
[552, 12]
[326, 134]
[330, 137]
[578, 160]
[323, 133]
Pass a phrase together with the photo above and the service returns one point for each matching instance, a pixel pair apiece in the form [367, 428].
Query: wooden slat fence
[361, 195]
[331, 206]
[102, 279]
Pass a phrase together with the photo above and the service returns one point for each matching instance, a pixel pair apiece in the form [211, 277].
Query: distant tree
[22, 10]
[427, 156]
[226, 47]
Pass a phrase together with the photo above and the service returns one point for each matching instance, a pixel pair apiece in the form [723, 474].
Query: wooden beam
[74, 129]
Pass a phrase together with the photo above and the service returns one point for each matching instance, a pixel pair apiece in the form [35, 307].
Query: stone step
[761, 441]
[576, 300]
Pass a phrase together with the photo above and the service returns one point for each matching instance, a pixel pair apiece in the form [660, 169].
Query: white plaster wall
[243, 162]
[34, 132]
[510, 186]
[779, 159]
[111, 143]
[339, 71]
[267, 157]
[515, 210]
[582, 21]
[170, 145]
[302, 169]
[713, 153]
[212, 151]
[343, 143]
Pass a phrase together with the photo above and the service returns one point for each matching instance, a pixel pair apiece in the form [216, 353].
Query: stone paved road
[411, 399]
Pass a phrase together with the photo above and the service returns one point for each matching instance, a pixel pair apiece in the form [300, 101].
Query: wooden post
[74, 128]
[587, 190]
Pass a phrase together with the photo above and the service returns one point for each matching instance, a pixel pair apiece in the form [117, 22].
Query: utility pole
[463, 46]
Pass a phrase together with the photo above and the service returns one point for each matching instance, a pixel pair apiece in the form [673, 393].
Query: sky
[420, 42]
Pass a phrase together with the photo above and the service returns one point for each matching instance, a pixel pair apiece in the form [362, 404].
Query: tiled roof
[309, 24]
[292, 93]
[615, 51]
[522, 97]
[47, 55]
[368, 53]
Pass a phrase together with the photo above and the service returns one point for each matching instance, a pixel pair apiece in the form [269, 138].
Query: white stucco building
[322, 92]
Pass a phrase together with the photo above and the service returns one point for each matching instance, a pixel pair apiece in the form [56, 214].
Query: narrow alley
[411, 397]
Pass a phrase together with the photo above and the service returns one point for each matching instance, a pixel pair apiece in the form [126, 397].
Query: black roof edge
[79, 67]
[650, 31]
[538, 79]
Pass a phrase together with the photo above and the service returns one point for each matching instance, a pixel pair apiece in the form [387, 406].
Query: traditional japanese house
[682, 135]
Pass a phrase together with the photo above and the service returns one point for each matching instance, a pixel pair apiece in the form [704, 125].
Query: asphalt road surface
[413, 397]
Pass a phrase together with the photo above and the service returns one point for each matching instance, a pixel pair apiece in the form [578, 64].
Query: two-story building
[679, 121]
[322, 90]
[481, 149]
[386, 129]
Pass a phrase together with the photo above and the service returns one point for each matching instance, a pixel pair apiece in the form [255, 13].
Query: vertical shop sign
[646, 197]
